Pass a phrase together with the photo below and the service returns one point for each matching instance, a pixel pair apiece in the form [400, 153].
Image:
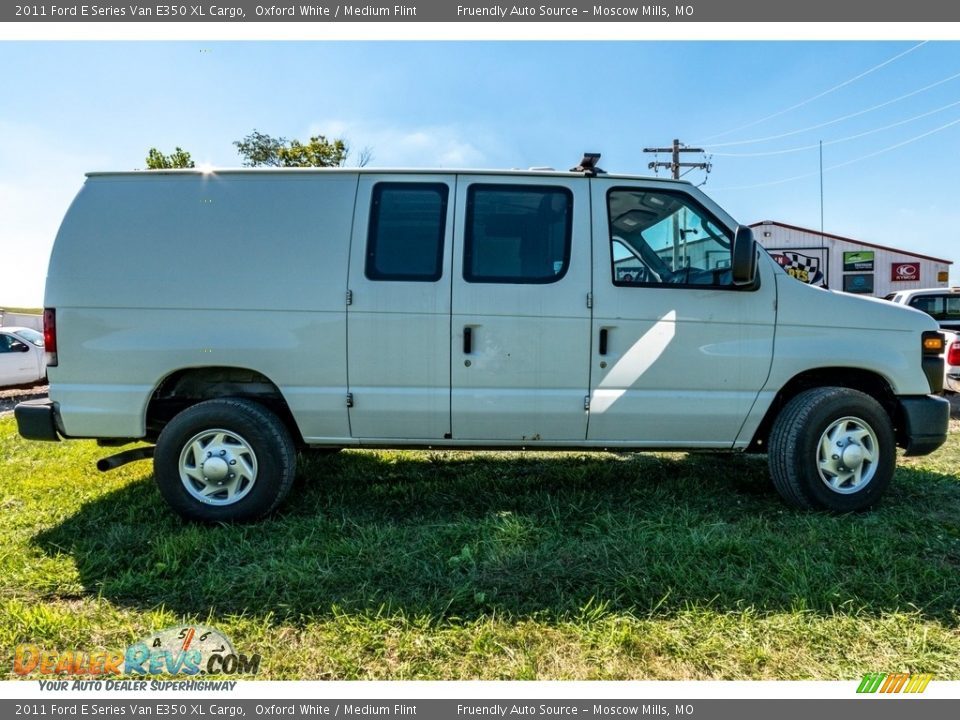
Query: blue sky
[73, 107]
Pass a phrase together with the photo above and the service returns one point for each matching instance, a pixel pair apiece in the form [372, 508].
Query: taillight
[50, 336]
[953, 353]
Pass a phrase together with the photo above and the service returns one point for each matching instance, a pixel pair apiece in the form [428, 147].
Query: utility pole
[679, 240]
[674, 165]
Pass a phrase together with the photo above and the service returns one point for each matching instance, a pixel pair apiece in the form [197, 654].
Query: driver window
[662, 238]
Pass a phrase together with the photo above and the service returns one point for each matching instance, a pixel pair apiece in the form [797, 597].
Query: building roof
[850, 240]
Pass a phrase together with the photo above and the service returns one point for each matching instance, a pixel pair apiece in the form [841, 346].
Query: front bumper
[37, 420]
[924, 423]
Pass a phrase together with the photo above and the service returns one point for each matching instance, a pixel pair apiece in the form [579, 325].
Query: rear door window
[405, 240]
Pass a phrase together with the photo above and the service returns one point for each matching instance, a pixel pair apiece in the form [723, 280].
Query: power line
[839, 140]
[819, 95]
[836, 120]
[846, 162]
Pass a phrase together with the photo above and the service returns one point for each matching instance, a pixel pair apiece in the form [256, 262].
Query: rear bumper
[37, 420]
[925, 420]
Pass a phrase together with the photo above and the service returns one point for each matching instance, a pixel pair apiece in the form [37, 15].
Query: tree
[259, 149]
[179, 158]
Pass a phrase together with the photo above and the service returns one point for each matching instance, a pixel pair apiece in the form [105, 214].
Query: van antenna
[588, 165]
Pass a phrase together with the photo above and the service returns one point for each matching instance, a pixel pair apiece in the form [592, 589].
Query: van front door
[520, 323]
[398, 312]
[679, 354]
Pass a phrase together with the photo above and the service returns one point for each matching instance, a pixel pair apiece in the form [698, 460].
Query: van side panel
[156, 273]
[817, 328]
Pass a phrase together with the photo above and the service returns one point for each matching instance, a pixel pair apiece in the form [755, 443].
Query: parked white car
[951, 380]
[22, 359]
[943, 305]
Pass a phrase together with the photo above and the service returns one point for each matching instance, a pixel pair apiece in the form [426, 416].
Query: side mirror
[19, 347]
[744, 262]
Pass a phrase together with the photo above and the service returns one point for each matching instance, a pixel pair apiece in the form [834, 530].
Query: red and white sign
[903, 272]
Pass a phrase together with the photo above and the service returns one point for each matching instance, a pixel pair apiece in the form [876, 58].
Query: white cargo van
[235, 316]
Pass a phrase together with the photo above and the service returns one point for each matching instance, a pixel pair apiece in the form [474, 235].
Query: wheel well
[187, 387]
[866, 382]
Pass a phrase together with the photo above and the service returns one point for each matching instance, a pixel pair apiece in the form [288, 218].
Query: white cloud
[441, 146]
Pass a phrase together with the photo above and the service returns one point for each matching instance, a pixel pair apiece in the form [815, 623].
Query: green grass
[428, 565]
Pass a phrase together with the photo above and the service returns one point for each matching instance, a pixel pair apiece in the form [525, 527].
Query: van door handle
[467, 340]
[603, 341]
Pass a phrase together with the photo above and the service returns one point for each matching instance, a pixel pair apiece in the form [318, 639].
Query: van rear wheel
[224, 460]
[832, 449]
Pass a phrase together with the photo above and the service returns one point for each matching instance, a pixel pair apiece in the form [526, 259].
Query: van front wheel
[224, 460]
[833, 449]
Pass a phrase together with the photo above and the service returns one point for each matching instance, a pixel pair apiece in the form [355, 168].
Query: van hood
[802, 304]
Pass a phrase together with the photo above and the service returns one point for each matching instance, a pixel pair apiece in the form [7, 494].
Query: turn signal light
[932, 343]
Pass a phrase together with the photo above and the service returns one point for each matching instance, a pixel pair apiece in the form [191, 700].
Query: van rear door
[398, 316]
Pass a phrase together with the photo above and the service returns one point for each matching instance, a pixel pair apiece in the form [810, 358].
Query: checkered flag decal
[803, 267]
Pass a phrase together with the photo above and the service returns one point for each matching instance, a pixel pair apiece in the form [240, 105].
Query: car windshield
[31, 336]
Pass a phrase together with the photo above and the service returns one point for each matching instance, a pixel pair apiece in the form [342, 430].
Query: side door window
[517, 234]
[660, 238]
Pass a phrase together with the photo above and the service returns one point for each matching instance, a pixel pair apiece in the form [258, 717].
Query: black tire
[224, 460]
[816, 443]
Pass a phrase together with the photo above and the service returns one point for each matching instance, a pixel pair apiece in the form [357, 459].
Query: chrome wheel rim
[218, 467]
[847, 455]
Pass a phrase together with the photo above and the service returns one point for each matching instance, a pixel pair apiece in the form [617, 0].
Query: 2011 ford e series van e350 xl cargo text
[232, 317]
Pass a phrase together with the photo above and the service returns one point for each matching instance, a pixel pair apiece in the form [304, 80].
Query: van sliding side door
[521, 321]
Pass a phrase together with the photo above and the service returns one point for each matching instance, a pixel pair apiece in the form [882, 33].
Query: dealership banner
[858, 261]
[865, 706]
[807, 267]
[905, 272]
[618, 11]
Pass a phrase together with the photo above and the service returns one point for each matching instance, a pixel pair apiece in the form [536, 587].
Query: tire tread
[266, 422]
[788, 467]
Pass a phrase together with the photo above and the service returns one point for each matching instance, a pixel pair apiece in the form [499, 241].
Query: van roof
[378, 171]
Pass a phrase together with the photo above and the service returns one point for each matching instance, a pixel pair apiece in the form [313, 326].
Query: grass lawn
[428, 565]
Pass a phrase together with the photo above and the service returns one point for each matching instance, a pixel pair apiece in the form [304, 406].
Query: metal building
[842, 263]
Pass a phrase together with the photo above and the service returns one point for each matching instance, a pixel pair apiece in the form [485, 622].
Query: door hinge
[589, 299]
[349, 400]
[586, 402]
[349, 297]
